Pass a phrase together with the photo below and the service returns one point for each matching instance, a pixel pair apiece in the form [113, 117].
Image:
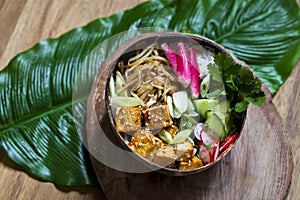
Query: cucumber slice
[226, 119]
[203, 106]
[216, 127]
[224, 106]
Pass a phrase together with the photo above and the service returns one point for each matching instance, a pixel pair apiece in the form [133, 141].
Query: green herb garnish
[241, 86]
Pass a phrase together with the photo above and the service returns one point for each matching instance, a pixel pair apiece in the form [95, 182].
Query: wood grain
[22, 24]
[287, 102]
[8, 23]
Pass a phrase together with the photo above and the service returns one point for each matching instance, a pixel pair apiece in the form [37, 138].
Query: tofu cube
[194, 163]
[165, 156]
[157, 117]
[184, 151]
[145, 144]
[128, 119]
[172, 130]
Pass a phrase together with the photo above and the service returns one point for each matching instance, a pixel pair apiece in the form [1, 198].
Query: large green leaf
[37, 128]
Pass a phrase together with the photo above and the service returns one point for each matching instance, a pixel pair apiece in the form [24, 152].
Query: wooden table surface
[24, 23]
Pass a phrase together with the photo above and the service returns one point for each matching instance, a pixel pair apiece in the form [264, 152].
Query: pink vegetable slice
[229, 141]
[201, 135]
[204, 154]
[193, 57]
[217, 145]
[225, 151]
[171, 55]
[205, 138]
[195, 75]
[214, 152]
[183, 66]
[198, 129]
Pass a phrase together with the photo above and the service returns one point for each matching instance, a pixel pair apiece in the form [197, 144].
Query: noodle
[146, 74]
[147, 59]
[141, 55]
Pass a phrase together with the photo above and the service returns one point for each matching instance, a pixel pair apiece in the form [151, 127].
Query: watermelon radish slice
[183, 66]
[193, 58]
[186, 65]
[171, 55]
[195, 74]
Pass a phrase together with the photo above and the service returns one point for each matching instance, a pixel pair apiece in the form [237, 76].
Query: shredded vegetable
[173, 108]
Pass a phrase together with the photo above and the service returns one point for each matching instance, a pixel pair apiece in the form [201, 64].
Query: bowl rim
[121, 50]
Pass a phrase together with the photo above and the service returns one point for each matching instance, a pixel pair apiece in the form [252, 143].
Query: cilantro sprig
[241, 86]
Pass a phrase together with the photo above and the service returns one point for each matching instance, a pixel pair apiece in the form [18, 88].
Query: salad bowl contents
[179, 101]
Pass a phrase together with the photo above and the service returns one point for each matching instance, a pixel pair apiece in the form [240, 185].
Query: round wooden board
[258, 167]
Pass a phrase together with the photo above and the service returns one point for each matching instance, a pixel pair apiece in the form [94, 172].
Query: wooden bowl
[124, 52]
[258, 167]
